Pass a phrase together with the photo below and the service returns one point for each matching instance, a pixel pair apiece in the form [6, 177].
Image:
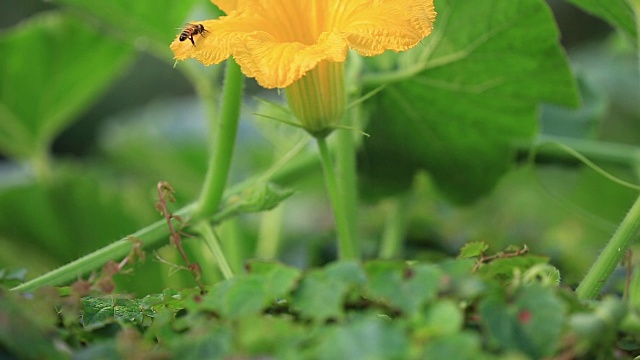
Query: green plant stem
[395, 228]
[612, 254]
[225, 137]
[346, 177]
[205, 230]
[346, 244]
[613, 153]
[156, 234]
[152, 237]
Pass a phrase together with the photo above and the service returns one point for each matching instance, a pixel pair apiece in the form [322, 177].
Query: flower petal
[276, 64]
[371, 27]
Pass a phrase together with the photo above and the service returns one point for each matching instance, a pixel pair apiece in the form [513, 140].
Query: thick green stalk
[346, 178]
[225, 137]
[346, 243]
[612, 254]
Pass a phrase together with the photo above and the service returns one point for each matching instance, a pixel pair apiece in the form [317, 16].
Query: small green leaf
[249, 294]
[473, 249]
[237, 297]
[459, 346]
[204, 343]
[403, 287]
[368, 337]
[278, 279]
[504, 269]
[531, 322]
[618, 13]
[262, 196]
[319, 296]
[52, 67]
[467, 95]
[100, 311]
[440, 319]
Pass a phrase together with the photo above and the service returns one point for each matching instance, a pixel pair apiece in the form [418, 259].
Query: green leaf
[247, 295]
[98, 312]
[320, 297]
[459, 346]
[473, 249]
[406, 288]
[367, 337]
[277, 279]
[531, 322]
[157, 20]
[618, 13]
[458, 103]
[52, 68]
[441, 318]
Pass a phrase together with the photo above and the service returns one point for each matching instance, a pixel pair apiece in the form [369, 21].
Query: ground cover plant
[353, 179]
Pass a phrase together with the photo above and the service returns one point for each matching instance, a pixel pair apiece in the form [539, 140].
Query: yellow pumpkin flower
[278, 42]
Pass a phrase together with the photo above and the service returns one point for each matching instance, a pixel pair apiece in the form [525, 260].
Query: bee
[192, 30]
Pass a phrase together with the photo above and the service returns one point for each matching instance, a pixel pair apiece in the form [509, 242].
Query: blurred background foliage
[109, 123]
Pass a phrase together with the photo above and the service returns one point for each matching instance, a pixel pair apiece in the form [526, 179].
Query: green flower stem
[346, 243]
[346, 178]
[612, 254]
[225, 137]
[210, 238]
[395, 228]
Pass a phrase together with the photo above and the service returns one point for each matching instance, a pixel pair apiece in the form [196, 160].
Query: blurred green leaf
[403, 287]
[158, 20]
[368, 337]
[76, 213]
[52, 67]
[618, 13]
[320, 297]
[24, 332]
[249, 294]
[459, 346]
[530, 322]
[441, 318]
[505, 268]
[473, 249]
[474, 93]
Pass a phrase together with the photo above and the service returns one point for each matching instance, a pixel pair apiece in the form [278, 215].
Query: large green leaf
[459, 102]
[618, 13]
[52, 67]
[140, 20]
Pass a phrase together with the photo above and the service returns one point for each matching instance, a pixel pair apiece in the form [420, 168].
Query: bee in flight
[192, 30]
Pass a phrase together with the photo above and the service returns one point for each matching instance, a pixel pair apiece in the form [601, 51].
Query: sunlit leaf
[474, 92]
[52, 68]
